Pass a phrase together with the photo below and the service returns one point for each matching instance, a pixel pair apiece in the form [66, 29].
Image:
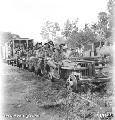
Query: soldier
[61, 46]
[56, 54]
[51, 43]
[39, 50]
[46, 49]
[41, 54]
[38, 45]
[62, 52]
[51, 48]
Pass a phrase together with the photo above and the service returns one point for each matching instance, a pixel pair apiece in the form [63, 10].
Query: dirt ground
[17, 105]
[18, 102]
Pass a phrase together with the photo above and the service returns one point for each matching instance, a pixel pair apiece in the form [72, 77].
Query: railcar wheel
[39, 73]
[83, 88]
[20, 65]
[47, 68]
[12, 63]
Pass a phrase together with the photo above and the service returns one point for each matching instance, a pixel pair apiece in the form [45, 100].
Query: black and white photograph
[57, 60]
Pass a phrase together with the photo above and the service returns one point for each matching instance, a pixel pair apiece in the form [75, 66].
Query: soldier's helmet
[62, 45]
[46, 45]
[51, 43]
[40, 43]
[54, 49]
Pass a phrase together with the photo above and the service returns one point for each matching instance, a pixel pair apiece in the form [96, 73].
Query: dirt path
[17, 105]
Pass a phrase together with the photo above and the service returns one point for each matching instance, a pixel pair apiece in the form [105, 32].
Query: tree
[80, 38]
[69, 28]
[110, 6]
[103, 19]
[101, 28]
[8, 36]
[103, 24]
[49, 30]
[89, 34]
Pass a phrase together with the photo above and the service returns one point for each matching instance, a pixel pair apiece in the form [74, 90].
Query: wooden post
[13, 46]
[27, 44]
[19, 43]
[90, 69]
[92, 51]
[5, 52]
[92, 46]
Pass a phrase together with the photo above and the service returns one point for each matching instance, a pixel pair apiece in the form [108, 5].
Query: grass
[86, 106]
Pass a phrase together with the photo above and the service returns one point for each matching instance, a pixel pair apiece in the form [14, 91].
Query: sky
[26, 17]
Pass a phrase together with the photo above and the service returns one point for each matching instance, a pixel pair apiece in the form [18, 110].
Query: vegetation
[73, 106]
[49, 30]
[77, 38]
[82, 106]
